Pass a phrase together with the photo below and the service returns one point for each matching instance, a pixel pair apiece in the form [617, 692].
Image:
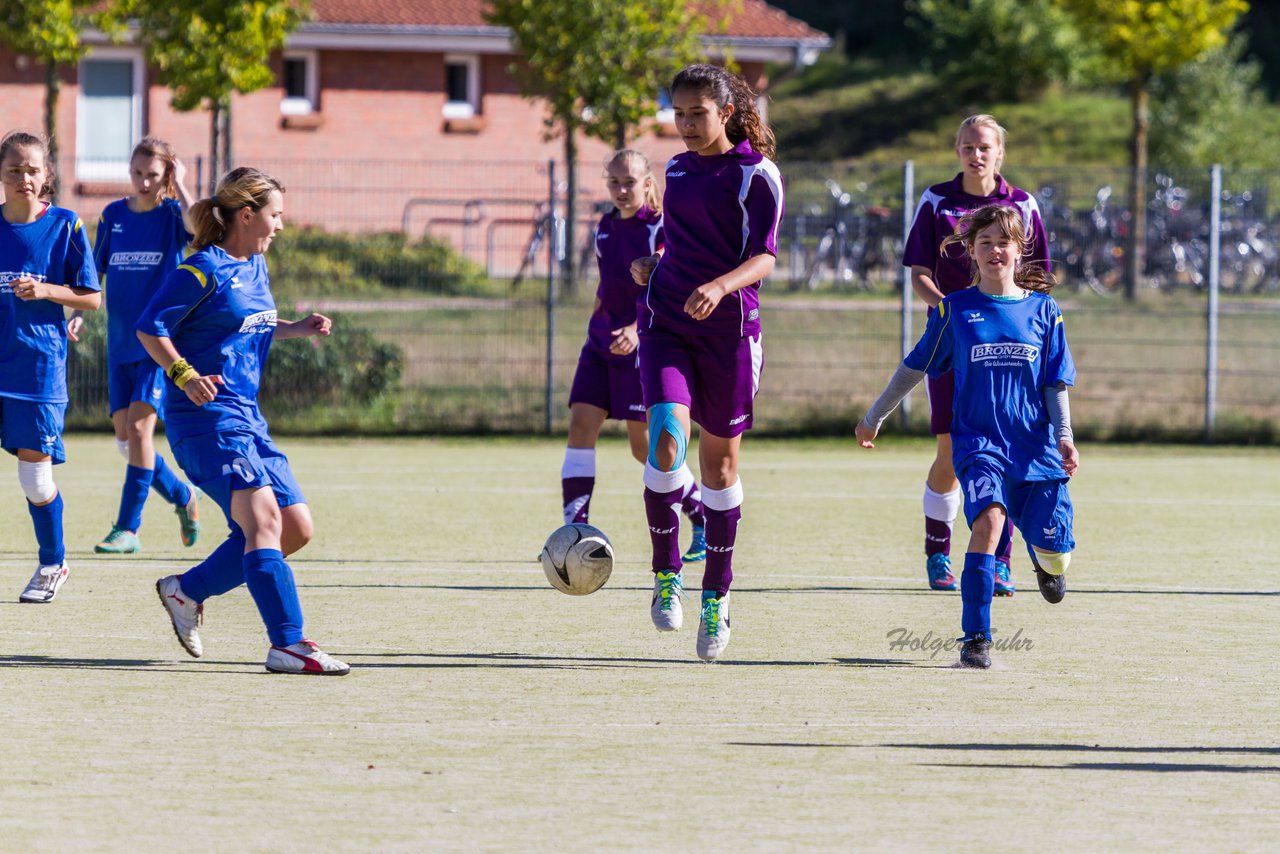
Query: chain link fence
[445, 279]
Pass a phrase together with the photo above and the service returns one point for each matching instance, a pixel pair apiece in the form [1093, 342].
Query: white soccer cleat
[304, 657]
[185, 614]
[713, 626]
[665, 609]
[46, 583]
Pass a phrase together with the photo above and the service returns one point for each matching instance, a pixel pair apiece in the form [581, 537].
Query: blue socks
[138, 481]
[221, 572]
[977, 587]
[48, 524]
[270, 582]
[169, 485]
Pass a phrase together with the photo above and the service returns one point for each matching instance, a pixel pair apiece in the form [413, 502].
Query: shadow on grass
[519, 660]
[1159, 767]
[131, 665]
[1156, 767]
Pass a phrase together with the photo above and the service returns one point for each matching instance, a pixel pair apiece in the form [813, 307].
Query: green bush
[351, 367]
[310, 262]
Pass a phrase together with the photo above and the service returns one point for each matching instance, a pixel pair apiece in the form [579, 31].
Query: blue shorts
[25, 424]
[1041, 509]
[221, 463]
[142, 382]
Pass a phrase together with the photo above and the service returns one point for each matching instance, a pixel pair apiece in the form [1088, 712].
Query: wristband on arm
[182, 373]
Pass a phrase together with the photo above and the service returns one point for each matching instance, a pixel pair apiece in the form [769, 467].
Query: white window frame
[310, 102]
[96, 170]
[470, 107]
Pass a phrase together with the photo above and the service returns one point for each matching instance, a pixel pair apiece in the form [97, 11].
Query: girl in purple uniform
[937, 272]
[607, 382]
[700, 356]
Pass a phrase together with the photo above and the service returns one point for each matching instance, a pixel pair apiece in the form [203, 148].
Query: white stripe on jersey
[773, 180]
[653, 235]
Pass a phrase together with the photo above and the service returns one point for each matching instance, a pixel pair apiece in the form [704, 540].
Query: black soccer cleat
[1052, 587]
[976, 652]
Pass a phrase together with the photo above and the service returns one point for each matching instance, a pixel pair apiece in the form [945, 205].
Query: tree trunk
[620, 137]
[1136, 249]
[227, 157]
[569, 267]
[215, 125]
[52, 92]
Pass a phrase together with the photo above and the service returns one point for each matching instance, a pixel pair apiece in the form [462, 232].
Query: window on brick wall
[461, 86]
[108, 113]
[300, 81]
[665, 115]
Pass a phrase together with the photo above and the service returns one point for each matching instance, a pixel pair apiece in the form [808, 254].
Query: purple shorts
[941, 396]
[716, 376]
[612, 384]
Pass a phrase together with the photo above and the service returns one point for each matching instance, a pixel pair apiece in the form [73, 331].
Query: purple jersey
[941, 207]
[718, 211]
[619, 242]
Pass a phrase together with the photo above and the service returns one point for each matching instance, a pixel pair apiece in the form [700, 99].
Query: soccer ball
[577, 559]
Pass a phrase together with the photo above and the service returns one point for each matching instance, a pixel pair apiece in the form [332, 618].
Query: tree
[1006, 49]
[599, 65]
[205, 50]
[50, 31]
[1140, 39]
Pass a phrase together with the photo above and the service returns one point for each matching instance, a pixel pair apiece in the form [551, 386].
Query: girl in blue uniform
[1011, 439]
[140, 240]
[210, 326]
[45, 264]
[607, 381]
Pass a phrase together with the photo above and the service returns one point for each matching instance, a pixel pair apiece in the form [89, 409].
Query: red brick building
[382, 109]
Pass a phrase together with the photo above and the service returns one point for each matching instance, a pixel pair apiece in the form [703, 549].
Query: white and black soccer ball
[578, 559]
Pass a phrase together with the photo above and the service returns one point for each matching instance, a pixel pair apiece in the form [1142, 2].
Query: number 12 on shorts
[979, 488]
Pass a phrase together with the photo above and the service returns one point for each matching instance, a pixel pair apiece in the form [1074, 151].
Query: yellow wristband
[182, 373]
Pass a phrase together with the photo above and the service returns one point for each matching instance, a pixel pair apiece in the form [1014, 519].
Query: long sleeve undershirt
[904, 379]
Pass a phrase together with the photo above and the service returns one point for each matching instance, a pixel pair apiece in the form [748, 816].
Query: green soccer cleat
[119, 542]
[698, 548]
[189, 518]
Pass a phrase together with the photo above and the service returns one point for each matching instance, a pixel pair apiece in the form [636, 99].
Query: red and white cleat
[304, 657]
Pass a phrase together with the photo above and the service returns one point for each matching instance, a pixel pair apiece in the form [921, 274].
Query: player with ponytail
[607, 381]
[700, 345]
[210, 327]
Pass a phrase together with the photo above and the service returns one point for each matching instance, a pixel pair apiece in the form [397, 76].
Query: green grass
[486, 711]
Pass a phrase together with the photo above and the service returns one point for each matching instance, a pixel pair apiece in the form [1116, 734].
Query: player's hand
[179, 171]
[202, 390]
[27, 289]
[704, 300]
[1070, 456]
[316, 324]
[642, 269]
[74, 325]
[866, 434]
[625, 341]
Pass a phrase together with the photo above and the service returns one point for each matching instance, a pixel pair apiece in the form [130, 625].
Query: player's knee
[296, 536]
[721, 474]
[667, 441]
[37, 481]
[1054, 563]
[134, 432]
[122, 445]
[990, 520]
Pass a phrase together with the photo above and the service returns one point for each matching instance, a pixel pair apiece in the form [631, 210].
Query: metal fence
[495, 349]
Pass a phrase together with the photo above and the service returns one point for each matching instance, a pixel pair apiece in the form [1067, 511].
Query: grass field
[486, 711]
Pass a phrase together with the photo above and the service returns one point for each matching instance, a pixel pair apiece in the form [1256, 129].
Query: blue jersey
[1004, 354]
[221, 317]
[135, 251]
[33, 334]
